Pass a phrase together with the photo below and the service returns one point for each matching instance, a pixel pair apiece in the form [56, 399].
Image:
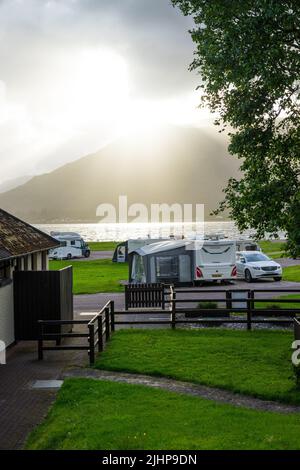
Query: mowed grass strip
[292, 273]
[91, 277]
[103, 246]
[269, 246]
[256, 363]
[94, 415]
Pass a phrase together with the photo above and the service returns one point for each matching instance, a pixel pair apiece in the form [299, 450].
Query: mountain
[183, 165]
[13, 183]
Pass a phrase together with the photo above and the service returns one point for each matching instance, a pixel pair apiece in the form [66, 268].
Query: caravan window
[138, 271]
[167, 268]
[217, 253]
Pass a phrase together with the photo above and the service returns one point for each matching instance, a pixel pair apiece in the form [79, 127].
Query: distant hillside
[13, 183]
[184, 165]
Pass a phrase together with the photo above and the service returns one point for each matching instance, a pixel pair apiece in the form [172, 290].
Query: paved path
[285, 262]
[97, 255]
[22, 408]
[201, 391]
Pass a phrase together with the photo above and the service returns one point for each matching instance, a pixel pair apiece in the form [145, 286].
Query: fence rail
[102, 324]
[235, 301]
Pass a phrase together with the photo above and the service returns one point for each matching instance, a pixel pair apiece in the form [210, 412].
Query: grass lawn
[292, 273]
[103, 246]
[280, 305]
[276, 248]
[257, 363]
[90, 277]
[91, 415]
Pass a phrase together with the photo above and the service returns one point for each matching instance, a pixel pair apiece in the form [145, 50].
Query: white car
[255, 265]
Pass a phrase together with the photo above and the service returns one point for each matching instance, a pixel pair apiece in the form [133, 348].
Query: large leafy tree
[248, 55]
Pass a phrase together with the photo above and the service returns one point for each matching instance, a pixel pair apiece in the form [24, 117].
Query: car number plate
[216, 275]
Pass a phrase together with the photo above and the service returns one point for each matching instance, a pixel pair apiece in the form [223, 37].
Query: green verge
[256, 363]
[91, 415]
[103, 246]
[280, 305]
[268, 246]
[91, 277]
[292, 273]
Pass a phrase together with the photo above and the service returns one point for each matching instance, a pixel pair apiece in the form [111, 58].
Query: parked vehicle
[215, 260]
[247, 245]
[71, 246]
[255, 265]
[183, 262]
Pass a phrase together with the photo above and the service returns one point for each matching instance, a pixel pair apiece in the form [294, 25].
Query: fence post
[107, 326]
[112, 315]
[100, 332]
[40, 341]
[173, 314]
[228, 299]
[249, 310]
[163, 301]
[126, 296]
[92, 343]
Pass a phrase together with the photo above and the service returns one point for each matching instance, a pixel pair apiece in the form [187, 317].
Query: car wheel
[277, 278]
[87, 254]
[248, 276]
[69, 256]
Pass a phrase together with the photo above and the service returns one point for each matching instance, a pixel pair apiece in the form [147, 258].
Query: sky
[76, 74]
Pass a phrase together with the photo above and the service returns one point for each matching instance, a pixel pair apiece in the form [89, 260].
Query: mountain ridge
[175, 165]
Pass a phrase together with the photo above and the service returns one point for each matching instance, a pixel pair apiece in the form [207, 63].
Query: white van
[247, 245]
[215, 260]
[71, 246]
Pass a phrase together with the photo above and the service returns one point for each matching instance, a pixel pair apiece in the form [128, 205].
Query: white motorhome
[215, 260]
[247, 245]
[71, 246]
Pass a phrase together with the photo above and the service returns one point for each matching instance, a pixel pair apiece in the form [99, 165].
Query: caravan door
[184, 268]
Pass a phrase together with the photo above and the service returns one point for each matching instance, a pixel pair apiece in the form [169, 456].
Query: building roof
[18, 238]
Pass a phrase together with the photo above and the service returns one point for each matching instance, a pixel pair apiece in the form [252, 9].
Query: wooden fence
[236, 303]
[244, 306]
[145, 296]
[96, 331]
[297, 329]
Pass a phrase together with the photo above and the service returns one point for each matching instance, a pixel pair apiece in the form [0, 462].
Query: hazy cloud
[38, 38]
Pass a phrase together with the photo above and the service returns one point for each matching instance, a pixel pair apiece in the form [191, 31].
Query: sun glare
[94, 84]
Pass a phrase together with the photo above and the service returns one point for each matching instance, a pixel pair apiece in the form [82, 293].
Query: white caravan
[215, 260]
[71, 246]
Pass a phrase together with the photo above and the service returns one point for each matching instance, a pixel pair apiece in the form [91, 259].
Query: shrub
[208, 305]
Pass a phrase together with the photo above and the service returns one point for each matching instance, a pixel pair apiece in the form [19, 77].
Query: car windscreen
[256, 257]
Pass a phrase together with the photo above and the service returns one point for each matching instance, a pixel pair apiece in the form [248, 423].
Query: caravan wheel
[69, 256]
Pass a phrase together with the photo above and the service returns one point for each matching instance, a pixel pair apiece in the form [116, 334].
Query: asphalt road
[94, 302]
[97, 255]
